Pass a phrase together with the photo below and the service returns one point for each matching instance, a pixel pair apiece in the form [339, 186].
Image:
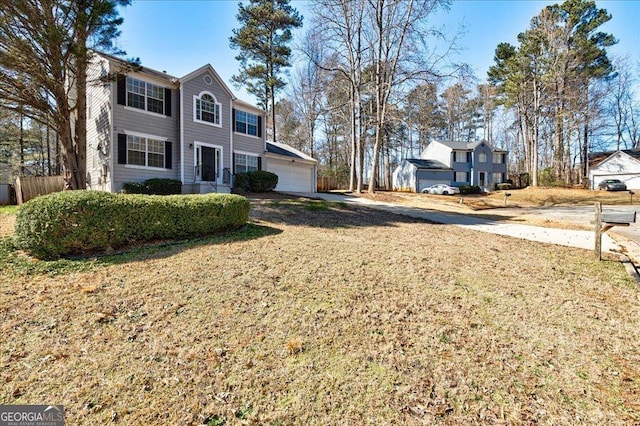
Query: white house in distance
[623, 165]
[143, 123]
[452, 163]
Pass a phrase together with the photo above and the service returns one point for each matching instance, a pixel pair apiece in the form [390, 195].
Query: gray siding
[204, 133]
[128, 119]
[98, 126]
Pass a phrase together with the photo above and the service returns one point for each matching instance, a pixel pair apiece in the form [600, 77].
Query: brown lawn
[320, 314]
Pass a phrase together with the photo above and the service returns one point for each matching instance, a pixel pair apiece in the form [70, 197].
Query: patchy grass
[528, 197]
[330, 316]
[7, 220]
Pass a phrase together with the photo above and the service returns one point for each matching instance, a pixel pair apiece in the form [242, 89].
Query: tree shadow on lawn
[300, 211]
[17, 262]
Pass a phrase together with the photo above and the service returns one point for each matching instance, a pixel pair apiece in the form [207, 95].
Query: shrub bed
[155, 186]
[256, 181]
[467, 189]
[80, 222]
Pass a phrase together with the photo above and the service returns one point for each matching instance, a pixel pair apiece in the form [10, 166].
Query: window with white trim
[246, 123]
[482, 157]
[207, 109]
[246, 163]
[499, 158]
[145, 151]
[497, 177]
[145, 96]
[461, 157]
[462, 177]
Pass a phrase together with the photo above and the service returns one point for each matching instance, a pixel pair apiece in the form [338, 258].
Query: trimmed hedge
[155, 186]
[80, 222]
[504, 186]
[467, 189]
[256, 181]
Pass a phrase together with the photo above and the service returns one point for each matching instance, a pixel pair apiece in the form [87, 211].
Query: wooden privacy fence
[31, 187]
[326, 183]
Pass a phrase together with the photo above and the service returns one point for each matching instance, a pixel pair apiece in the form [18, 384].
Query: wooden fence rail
[31, 187]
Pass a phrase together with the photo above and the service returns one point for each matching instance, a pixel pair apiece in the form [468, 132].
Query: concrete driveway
[565, 237]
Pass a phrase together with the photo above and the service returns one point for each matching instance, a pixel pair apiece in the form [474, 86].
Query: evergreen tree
[45, 48]
[263, 40]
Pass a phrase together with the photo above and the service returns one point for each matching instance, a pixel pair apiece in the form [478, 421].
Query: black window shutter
[122, 89]
[167, 102]
[122, 148]
[167, 155]
[233, 119]
[259, 163]
[468, 157]
[233, 160]
[259, 129]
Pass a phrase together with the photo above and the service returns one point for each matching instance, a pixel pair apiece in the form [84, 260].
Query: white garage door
[292, 177]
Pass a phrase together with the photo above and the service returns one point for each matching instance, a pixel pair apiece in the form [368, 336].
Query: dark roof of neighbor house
[595, 158]
[428, 164]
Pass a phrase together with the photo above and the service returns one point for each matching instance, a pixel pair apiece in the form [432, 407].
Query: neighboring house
[297, 172]
[623, 165]
[414, 175]
[452, 163]
[143, 123]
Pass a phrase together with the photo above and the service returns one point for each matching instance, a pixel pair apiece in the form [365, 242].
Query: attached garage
[297, 172]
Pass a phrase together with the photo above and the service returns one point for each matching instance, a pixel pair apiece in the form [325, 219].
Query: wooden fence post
[598, 247]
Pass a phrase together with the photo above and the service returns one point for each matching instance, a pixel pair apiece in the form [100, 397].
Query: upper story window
[482, 157]
[499, 158]
[247, 123]
[462, 157]
[207, 109]
[144, 96]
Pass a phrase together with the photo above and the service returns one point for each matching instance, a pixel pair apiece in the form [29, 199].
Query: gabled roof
[287, 151]
[243, 104]
[468, 146]
[210, 69]
[460, 146]
[428, 164]
[597, 158]
[146, 70]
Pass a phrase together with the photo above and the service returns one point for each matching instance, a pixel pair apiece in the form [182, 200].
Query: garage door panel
[292, 177]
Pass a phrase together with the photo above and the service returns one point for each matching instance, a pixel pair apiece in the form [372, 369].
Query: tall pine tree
[263, 40]
[45, 48]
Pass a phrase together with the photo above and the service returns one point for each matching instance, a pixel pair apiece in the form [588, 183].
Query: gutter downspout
[231, 124]
[181, 108]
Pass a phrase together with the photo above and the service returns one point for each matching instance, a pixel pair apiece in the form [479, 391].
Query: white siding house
[623, 165]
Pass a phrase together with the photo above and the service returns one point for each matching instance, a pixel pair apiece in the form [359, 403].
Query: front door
[482, 179]
[208, 163]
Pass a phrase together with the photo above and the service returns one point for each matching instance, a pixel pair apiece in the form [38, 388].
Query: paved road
[570, 238]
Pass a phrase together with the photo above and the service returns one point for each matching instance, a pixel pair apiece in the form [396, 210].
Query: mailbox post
[607, 220]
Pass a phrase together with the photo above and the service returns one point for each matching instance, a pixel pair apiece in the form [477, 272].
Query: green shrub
[241, 182]
[155, 186]
[256, 181]
[470, 189]
[80, 222]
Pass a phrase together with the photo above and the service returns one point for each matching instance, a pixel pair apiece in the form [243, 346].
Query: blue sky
[182, 35]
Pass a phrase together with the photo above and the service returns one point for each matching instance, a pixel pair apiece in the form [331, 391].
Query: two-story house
[452, 163]
[143, 123]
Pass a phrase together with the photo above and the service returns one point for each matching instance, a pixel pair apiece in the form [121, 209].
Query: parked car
[612, 185]
[441, 189]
